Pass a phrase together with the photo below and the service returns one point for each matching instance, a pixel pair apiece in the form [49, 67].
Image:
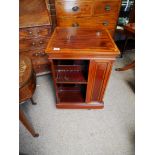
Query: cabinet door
[99, 72]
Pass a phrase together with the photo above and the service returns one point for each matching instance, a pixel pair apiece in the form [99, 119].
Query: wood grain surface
[33, 13]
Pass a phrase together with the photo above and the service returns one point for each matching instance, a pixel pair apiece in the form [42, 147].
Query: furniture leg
[129, 66]
[34, 103]
[124, 47]
[26, 123]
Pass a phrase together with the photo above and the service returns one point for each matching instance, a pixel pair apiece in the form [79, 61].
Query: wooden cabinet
[88, 13]
[81, 62]
[35, 30]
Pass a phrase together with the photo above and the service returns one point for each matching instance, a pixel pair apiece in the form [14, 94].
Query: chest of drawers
[35, 30]
[88, 13]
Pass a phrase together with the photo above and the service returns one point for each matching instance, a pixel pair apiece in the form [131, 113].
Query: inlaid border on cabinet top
[74, 42]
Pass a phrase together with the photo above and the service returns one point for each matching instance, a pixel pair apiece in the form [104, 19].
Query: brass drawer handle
[36, 54]
[30, 32]
[105, 23]
[33, 43]
[75, 25]
[41, 42]
[42, 54]
[75, 8]
[38, 31]
[107, 8]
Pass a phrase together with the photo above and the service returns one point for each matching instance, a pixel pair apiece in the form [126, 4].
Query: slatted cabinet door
[99, 72]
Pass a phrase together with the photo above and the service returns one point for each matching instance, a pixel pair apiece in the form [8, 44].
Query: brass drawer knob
[107, 8]
[36, 54]
[75, 25]
[42, 53]
[30, 32]
[75, 8]
[33, 43]
[41, 42]
[105, 23]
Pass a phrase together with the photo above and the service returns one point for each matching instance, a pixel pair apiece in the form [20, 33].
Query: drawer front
[44, 31]
[73, 8]
[32, 44]
[40, 61]
[42, 68]
[36, 54]
[26, 33]
[108, 22]
[106, 8]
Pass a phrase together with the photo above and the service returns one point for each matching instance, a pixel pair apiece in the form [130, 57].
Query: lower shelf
[41, 69]
[71, 93]
[72, 96]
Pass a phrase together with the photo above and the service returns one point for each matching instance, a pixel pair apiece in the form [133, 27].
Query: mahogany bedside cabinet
[81, 61]
[27, 86]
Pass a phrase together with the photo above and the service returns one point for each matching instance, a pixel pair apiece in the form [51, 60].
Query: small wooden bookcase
[81, 62]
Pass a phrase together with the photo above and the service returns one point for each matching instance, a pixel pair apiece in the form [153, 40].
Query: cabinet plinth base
[96, 105]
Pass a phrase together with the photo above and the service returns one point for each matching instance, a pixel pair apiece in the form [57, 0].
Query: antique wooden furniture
[35, 29]
[88, 13]
[51, 7]
[81, 61]
[27, 85]
[130, 33]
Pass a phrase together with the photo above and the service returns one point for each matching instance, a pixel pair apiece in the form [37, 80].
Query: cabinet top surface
[73, 40]
[33, 13]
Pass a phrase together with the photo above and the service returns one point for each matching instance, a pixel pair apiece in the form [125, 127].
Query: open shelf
[70, 74]
[71, 71]
[71, 93]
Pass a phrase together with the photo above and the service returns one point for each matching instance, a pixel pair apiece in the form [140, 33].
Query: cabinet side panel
[105, 81]
[99, 78]
[99, 72]
[91, 78]
[54, 80]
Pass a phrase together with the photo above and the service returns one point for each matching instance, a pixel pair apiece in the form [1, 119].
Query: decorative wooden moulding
[81, 62]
